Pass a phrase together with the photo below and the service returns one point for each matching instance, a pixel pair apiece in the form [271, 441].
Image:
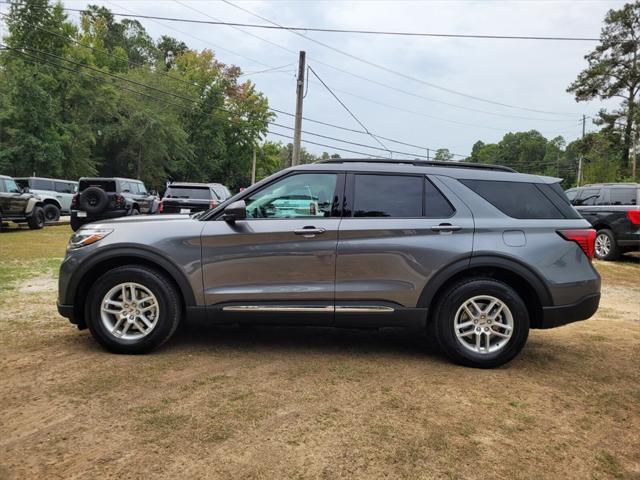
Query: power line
[175, 95]
[396, 72]
[355, 75]
[347, 109]
[328, 146]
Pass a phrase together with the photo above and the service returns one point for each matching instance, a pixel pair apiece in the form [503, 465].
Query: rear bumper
[561, 315]
[102, 216]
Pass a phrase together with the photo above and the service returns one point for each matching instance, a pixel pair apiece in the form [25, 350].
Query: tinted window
[200, 193]
[571, 194]
[106, 185]
[41, 184]
[435, 204]
[303, 195]
[516, 199]
[588, 196]
[64, 187]
[395, 196]
[623, 196]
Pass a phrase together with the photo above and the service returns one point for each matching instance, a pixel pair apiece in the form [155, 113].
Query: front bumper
[68, 311]
[561, 315]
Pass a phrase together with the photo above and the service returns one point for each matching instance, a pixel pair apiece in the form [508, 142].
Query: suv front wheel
[132, 309]
[481, 323]
[36, 220]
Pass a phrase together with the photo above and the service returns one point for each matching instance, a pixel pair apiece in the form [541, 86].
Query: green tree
[614, 72]
[443, 155]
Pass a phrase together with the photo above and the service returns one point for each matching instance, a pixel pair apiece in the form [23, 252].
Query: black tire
[36, 220]
[613, 253]
[51, 213]
[169, 304]
[76, 223]
[94, 200]
[442, 322]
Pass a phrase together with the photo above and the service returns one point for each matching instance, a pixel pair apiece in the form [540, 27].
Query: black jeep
[102, 198]
[19, 206]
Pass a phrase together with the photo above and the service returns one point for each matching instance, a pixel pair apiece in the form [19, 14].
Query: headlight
[87, 236]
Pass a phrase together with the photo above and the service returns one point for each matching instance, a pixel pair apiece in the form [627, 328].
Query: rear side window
[64, 187]
[199, 193]
[398, 196]
[435, 204]
[623, 196]
[516, 199]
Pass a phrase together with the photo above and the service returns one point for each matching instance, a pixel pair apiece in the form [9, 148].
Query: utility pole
[634, 149]
[584, 118]
[295, 159]
[428, 155]
[253, 167]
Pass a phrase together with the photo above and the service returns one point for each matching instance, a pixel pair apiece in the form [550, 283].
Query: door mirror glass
[235, 211]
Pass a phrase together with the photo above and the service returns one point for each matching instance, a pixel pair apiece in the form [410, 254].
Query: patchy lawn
[226, 402]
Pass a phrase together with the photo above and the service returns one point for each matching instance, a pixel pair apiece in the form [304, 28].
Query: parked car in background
[19, 206]
[103, 198]
[613, 210]
[56, 194]
[222, 191]
[186, 197]
[440, 247]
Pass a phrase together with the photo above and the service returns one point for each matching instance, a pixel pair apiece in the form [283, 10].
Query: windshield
[198, 193]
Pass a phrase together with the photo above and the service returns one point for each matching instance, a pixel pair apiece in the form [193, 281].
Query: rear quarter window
[516, 199]
[623, 196]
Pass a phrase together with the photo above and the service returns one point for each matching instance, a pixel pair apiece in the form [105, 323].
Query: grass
[261, 403]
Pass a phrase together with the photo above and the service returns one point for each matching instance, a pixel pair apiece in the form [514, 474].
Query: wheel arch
[81, 282]
[521, 278]
[52, 201]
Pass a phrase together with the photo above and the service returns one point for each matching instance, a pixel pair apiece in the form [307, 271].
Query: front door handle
[446, 228]
[309, 232]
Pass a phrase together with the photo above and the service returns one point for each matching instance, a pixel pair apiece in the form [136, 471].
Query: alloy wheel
[483, 324]
[129, 311]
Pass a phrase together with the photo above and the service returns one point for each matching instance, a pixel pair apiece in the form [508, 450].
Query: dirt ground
[295, 403]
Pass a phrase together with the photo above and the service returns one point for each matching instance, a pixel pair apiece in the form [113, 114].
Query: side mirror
[235, 211]
[153, 192]
[24, 189]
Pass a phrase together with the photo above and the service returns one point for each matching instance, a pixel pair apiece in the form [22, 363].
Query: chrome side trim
[302, 308]
[275, 308]
[365, 309]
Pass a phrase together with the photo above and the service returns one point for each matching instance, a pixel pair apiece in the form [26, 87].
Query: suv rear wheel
[132, 309]
[481, 323]
[51, 213]
[605, 245]
[36, 220]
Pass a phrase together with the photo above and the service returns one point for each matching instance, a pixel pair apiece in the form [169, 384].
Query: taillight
[74, 201]
[161, 207]
[634, 216]
[585, 238]
[213, 204]
[119, 199]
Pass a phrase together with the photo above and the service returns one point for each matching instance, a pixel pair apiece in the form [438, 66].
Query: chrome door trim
[275, 308]
[363, 309]
[303, 309]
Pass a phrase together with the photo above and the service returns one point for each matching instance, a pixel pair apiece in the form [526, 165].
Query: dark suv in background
[184, 197]
[612, 209]
[103, 198]
[474, 255]
[20, 206]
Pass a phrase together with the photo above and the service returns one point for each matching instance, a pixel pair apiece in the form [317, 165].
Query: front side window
[296, 196]
[588, 196]
[142, 190]
[3, 189]
[11, 186]
[397, 196]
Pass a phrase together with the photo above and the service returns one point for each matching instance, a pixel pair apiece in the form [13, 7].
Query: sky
[408, 95]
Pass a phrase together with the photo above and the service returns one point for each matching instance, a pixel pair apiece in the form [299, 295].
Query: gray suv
[474, 255]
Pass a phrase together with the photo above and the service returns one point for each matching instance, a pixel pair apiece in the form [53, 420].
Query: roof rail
[420, 163]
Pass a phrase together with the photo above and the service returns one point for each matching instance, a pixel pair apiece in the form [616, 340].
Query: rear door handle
[446, 228]
[309, 232]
